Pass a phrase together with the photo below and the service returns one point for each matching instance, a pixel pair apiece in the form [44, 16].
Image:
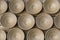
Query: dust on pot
[52, 34]
[51, 6]
[33, 6]
[57, 20]
[26, 21]
[15, 34]
[3, 6]
[35, 34]
[8, 20]
[2, 35]
[16, 6]
[44, 21]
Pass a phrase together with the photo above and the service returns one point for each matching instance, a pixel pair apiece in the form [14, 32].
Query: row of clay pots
[31, 6]
[32, 34]
[26, 21]
[29, 20]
